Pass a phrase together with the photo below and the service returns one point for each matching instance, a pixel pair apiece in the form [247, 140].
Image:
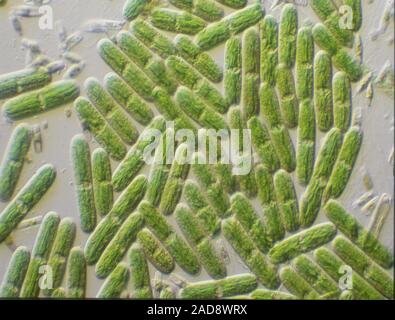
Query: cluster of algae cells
[278, 76]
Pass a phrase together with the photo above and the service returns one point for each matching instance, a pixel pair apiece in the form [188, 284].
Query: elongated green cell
[228, 287]
[344, 164]
[26, 199]
[126, 69]
[250, 78]
[287, 96]
[253, 258]
[251, 222]
[332, 265]
[118, 246]
[176, 21]
[269, 50]
[101, 177]
[171, 111]
[305, 152]
[202, 61]
[116, 283]
[218, 32]
[233, 63]
[302, 242]
[217, 197]
[76, 274]
[310, 202]
[144, 58]
[41, 250]
[177, 247]
[17, 82]
[262, 294]
[341, 101]
[361, 263]
[155, 251]
[108, 227]
[133, 8]
[296, 285]
[93, 121]
[194, 231]
[60, 251]
[316, 277]
[128, 99]
[268, 201]
[35, 102]
[198, 110]
[227, 179]
[13, 160]
[323, 91]
[197, 201]
[81, 159]
[206, 9]
[287, 35]
[152, 38]
[140, 278]
[304, 63]
[335, 23]
[279, 134]
[356, 7]
[15, 274]
[167, 293]
[111, 111]
[134, 159]
[175, 182]
[188, 77]
[341, 59]
[235, 4]
[287, 200]
[365, 240]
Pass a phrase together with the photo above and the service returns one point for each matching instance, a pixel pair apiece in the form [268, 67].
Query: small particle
[365, 82]
[370, 93]
[39, 61]
[71, 41]
[74, 70]
[61, 31]
[26, 11]
[370, 205]
[380, 214]
[68, 112]
[64, 170]
[27, 223]
[55, 67]
[37, 139]
[103, 26]
[31, 45]
[358, 48]
[366, 178]
[16, 24]
[391, 157]
[362, 200]
[72, 57]
[178, 280]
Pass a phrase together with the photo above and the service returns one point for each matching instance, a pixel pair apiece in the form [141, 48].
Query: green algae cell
[15, 273]
[235, 4]
[268, 200]
[17, 82]
[250, 77]
[116, 283]
[101, 177]
[227, 287]
[365, 240]
[13, 160]
[60, 251]
[31, 193]
[233, 64]
[109, 226]
[304, 63]
[208, 10]
[176, 21]
[253, 258]
[93, 121]
[331, 264]
[133, 8]
[152, 38]
[287, 200]
[134, 159]
[296, 285]
[302, 242]
[341, 101]
[81, 159]
[310, 202]
[155, 251]
[262, 294]
[118, 246]
[344, 164]
[287, 96]
[269, 50]
[305, 152]
[41, 250]
[111, 111]
[356, 6]
[323, 103]
[47, 98]
[287, 35]
[76, 274]
[195, 233]
[140, 277]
